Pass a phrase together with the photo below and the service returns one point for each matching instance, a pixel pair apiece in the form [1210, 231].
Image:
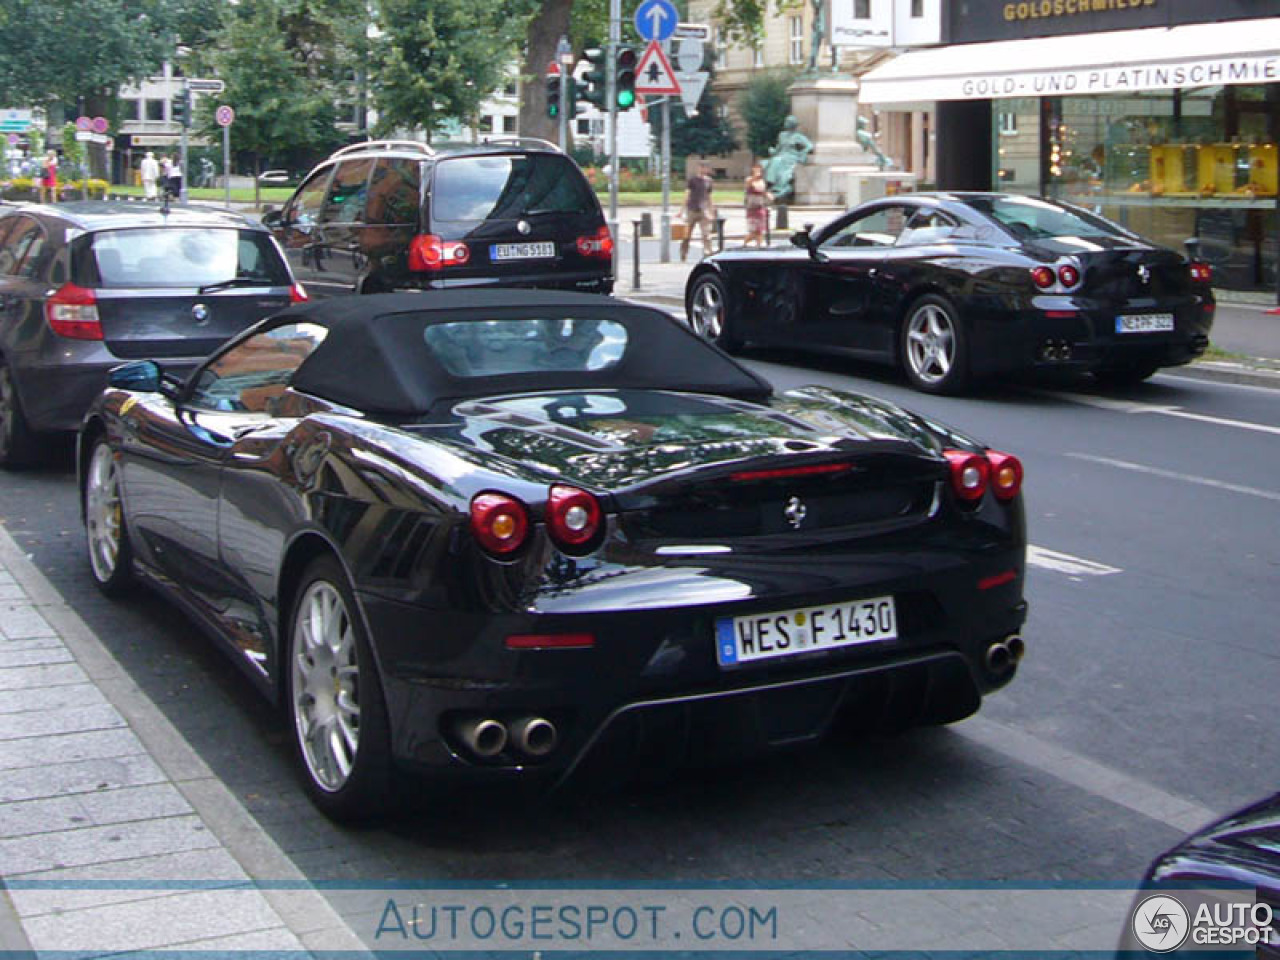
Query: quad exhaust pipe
[1004, 654]
[486, 737]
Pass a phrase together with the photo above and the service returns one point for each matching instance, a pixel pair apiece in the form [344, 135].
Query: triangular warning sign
[654, 74]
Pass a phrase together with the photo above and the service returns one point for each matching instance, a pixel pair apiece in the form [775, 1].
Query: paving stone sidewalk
[114, 835]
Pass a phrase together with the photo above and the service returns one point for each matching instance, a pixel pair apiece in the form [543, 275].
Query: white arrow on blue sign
[656, 19]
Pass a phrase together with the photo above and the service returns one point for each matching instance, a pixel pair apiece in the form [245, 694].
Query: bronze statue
[819, 33]
[867, 141]
[792, 148]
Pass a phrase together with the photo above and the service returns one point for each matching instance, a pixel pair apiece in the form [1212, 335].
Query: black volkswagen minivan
[396, 214]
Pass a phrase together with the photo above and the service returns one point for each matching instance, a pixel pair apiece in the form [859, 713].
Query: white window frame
[795, 43]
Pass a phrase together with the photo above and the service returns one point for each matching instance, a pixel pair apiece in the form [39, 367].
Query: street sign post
[225, 116]
[656, 19]
[691, 87]
[693, 31]
[201, 85]
[654, 75]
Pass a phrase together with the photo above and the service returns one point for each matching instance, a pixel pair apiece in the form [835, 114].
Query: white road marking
[1066, 563]
[1089, 775]
[1175, 475]
[1134, 406]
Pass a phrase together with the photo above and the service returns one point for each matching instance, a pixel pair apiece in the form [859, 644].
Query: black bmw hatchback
[86, 286]
[401, 215]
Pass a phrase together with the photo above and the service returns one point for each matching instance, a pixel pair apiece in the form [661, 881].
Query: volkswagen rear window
[178, 257]
[508, 187]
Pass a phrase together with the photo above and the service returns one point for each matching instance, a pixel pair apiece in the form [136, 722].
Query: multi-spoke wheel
[110, 556]
[708, 309]
[16, 441]
[933, 347]
[335, 699]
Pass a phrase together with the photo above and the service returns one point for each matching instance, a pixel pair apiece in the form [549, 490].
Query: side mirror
[271, 217]
[801, 238]
[144, 376]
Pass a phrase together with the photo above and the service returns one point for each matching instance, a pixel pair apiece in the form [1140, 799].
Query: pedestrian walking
[756, 199]
[699, 210]
[150, 171]
[49, 178]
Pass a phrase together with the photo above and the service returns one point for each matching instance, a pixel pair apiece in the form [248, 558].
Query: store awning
[1161, 58]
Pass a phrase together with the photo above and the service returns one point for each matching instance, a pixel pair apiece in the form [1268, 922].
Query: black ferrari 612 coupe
[490, 535]
[959, 286]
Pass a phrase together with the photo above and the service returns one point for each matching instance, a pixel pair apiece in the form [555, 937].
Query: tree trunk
[545, 31]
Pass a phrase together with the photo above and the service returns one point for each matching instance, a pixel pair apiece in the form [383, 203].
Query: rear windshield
[1032, 219]
[493, 348]
[509, 187]
[178, 257]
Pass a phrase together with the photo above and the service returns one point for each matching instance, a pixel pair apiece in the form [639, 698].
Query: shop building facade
[1163, 115]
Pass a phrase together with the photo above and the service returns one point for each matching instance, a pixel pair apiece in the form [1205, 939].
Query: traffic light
[597, 79]
[180, 108]
[625, 86]
[553, 95]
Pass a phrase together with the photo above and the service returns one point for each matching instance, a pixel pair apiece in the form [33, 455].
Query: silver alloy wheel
[708, 310]
[324, 685]
[102, 511]
[931, 343]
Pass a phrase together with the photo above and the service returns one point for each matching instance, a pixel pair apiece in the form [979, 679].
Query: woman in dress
[49, 178]
[756, 199]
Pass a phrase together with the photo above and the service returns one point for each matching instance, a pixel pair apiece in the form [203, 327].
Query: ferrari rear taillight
[500, 523]
[298, 294]
[573, 516]
[970, 474]
[1068, 276]
[427, 252]
[1006, 474]
[72, 312]
[1042, 277]
[1200, 272]
[598, 244]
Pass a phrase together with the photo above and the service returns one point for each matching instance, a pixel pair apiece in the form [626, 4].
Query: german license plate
[522, 251]
[785, 633]
[1144, 322]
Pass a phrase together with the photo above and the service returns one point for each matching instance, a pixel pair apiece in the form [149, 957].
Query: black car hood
[610, 440]
[1244, 847]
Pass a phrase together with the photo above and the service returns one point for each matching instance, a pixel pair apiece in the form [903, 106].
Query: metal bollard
[782, 218]
[719, 233]
[646, 224]
[636, 230]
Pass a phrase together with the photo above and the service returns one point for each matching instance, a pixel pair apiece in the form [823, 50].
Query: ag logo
[1161, 923]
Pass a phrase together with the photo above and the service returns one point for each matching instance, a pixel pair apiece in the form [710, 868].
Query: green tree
[764, 106]
[440, 59]
[279, 109]
[705, 133]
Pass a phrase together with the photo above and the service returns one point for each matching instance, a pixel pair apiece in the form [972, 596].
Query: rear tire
[110, 555]
[334, 698]
[17, 440]
[934, 350]
[1125, 376]
[707, 307]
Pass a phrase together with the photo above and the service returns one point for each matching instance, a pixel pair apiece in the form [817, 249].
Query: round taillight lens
[457, 253]
[1201, 272]
[1006, 474]
[1068, 275]
[970, 474]
[500, 523]
[573, 516]
[1042, 277]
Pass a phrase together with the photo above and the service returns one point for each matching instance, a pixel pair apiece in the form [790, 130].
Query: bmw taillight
[500, 523]
[72, 312]
[970, 474]
[1068, 276]
[598, 244]
[1200, 272]
[427, 252]
[298, 294]
[573, 516]
[1006, 474]
[1042, 277]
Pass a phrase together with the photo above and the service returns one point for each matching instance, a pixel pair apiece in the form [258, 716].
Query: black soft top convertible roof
[375, 357]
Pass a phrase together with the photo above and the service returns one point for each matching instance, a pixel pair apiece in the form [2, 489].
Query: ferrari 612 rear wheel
[110, 556]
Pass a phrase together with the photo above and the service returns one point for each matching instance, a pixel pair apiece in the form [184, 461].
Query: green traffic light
[626, 99]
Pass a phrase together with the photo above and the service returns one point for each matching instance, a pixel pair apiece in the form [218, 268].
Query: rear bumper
[1062, 333]
[582, 282]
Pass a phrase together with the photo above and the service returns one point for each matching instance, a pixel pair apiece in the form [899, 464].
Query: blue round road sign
[656, 19]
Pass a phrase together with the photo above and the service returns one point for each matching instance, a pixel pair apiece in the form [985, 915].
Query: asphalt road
[1146, 701]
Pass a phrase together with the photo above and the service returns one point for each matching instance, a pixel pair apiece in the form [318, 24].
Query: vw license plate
[1144, 322]
[522, 251]
[786, 633]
